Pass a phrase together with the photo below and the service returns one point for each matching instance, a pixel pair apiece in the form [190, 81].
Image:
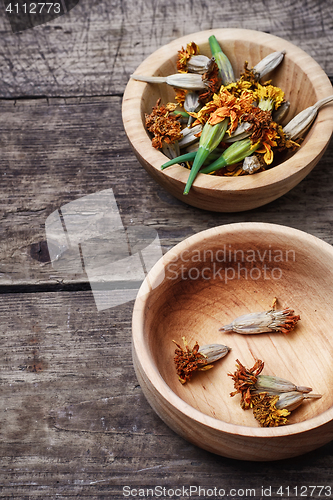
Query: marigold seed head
[275, 385]
[189, 360]
[292, 400]
[263, 322]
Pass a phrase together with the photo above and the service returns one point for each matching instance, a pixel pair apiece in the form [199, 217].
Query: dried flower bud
[222, 61]
[267, 64]
[266, 411]
[189, 360]
[251, 164]
[292, 400]
[199, 64]
[187, 81]
[280, 114]
[241, 132]
[297, 127]
[171, 150]
[214, 352]
[263, 322]
[275, 385]
[190, 135]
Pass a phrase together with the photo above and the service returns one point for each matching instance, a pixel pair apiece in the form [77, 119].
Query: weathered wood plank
[74, 422]
[94, 48]
[55, 152]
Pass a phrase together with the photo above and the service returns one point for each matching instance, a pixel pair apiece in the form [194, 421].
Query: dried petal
[244, 381]
[163, 124]
[266, 412]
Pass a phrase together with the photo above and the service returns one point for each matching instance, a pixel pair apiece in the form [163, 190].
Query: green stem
[210, 138]
[188, 157]
[234, 154]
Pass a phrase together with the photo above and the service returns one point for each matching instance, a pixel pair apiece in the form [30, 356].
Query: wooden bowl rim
[149, 367]
[321, 130]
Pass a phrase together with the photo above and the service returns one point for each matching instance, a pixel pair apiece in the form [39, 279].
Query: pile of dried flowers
[271, 398]
[228, 120]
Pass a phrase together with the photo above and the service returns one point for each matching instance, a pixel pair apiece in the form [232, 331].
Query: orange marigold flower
[165, 126]
[225, 105]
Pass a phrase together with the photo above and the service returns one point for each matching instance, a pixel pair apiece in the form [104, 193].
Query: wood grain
[43, 168]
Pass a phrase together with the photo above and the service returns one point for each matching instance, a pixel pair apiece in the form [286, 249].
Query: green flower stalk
[235, 153]
[225, 69]
[211, 137]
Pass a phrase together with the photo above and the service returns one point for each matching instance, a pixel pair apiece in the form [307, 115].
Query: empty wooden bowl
[204, 283]
[299, 76]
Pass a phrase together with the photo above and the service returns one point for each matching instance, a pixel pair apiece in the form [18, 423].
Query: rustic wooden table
[74, 422]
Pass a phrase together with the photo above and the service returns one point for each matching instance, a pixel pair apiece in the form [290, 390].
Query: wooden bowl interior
[200, 293]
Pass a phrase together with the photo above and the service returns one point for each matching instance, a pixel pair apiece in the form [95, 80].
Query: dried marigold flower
[271, 410]
[244, 380]
[263, 322]
[184, 55]
[163, 124]
[189, 360]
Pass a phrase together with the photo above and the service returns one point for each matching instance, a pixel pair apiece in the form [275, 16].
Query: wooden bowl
[205, 282]
[301, 78]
